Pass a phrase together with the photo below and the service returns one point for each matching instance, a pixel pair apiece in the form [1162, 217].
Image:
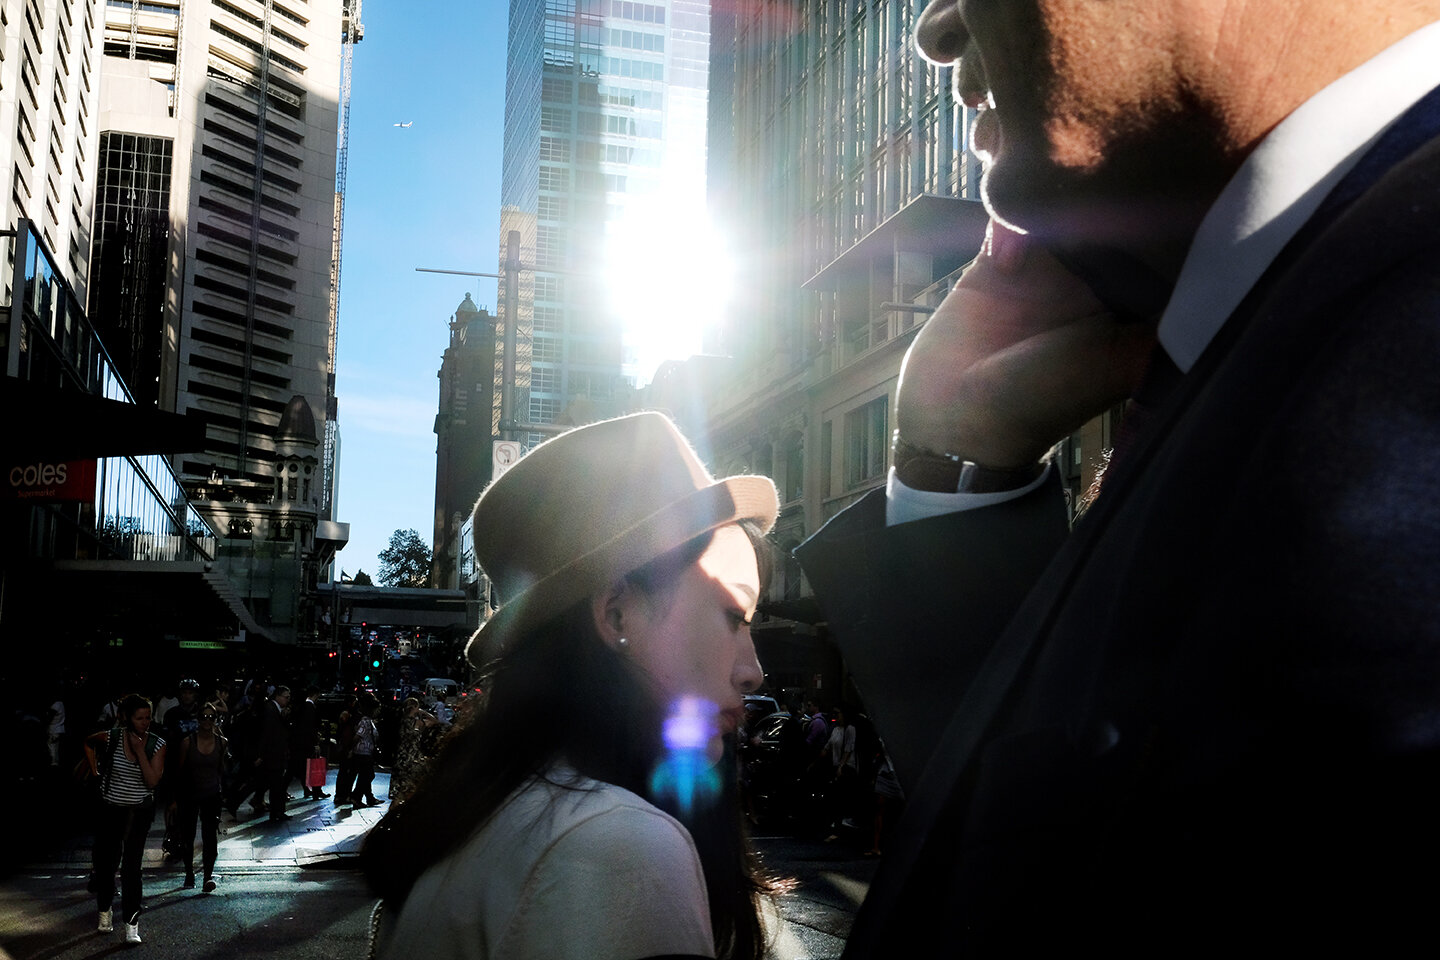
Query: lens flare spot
[685, 776]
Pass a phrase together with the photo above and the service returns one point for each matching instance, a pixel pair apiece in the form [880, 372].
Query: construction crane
[352, 31]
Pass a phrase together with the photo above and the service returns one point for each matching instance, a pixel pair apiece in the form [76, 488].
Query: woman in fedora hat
[589, 809]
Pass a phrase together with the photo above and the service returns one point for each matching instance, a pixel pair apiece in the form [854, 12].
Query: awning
[939, 226]
[180, 597]
[44, 422]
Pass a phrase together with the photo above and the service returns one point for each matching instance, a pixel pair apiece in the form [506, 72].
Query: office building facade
[213, 262]
[605, 116]
[102, 553]
[49, 91]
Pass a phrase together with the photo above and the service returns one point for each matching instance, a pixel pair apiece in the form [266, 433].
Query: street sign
[504, 453]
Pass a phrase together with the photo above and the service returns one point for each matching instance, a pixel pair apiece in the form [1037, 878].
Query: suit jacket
[274, 737]
[304, 728]
[1210, 716]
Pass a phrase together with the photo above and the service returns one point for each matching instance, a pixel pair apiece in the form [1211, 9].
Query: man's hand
[1017, 356]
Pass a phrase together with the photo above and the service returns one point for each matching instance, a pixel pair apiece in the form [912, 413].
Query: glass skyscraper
[604, 159]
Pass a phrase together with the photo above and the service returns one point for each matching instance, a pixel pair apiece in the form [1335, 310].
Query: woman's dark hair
[129, 705]
[562, 692]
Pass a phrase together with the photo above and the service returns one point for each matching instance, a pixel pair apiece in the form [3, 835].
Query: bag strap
[107, 764]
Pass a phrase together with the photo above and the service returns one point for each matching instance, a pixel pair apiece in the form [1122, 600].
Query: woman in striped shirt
[130, 760]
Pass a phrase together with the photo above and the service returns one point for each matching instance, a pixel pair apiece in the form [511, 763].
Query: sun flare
[668, 275]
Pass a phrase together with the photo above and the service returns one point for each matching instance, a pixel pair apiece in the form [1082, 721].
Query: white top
[1276, 189]
[842, 747]
[590, 871]
[123, 783]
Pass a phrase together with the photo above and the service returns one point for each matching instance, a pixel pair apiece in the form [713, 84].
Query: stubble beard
[1136, 189]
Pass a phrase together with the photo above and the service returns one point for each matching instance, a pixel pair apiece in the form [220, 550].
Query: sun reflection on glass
[669, 277]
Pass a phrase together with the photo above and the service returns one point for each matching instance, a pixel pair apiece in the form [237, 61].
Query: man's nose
[940, 34]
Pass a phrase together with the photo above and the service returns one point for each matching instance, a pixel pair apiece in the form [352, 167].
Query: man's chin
[1032, 200]
[1059, 208]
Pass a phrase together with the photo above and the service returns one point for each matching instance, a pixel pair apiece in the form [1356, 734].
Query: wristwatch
[921, 468]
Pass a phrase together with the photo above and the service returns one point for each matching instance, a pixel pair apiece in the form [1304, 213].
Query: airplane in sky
[405, 124]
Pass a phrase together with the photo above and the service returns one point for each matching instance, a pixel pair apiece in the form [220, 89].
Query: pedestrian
[840, 749]
[410, 754]
[163, 703]
[244, 736]
[305, 742]
[817, 731]
[345, 746]
[888, 795]
[202, 765]
[1205, 715]
[273, 760]
[130, 760]
[615, 671]
[363, 753]
[221, 702]
[182, 719]
[56, 732]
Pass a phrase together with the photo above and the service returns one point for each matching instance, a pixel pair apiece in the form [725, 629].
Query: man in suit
[305, 741]
[274, 754]
[1208, 718]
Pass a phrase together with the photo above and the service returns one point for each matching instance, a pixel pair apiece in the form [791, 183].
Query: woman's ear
[612, 609]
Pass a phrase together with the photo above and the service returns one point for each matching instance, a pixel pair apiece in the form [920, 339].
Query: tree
[362, 579]
[406, 562]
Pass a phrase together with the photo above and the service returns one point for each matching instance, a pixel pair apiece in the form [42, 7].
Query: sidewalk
[317, 833]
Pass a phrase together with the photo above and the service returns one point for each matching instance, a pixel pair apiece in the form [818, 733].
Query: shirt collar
[1282, 183]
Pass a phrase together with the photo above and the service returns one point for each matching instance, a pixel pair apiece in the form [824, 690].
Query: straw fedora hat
[584, 508]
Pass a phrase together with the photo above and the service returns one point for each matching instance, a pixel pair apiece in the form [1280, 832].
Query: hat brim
[722, 503]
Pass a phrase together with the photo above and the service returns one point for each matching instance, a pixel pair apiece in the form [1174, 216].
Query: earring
[623, 641]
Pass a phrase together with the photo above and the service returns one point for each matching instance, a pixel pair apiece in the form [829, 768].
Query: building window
[794, 469]
[554, 178]
[127, 257]
[549, 288]
[549, 245]
[556, 89]
[865, 430]
[555, 119]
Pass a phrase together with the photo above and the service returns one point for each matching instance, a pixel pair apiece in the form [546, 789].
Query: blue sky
[427, 195]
